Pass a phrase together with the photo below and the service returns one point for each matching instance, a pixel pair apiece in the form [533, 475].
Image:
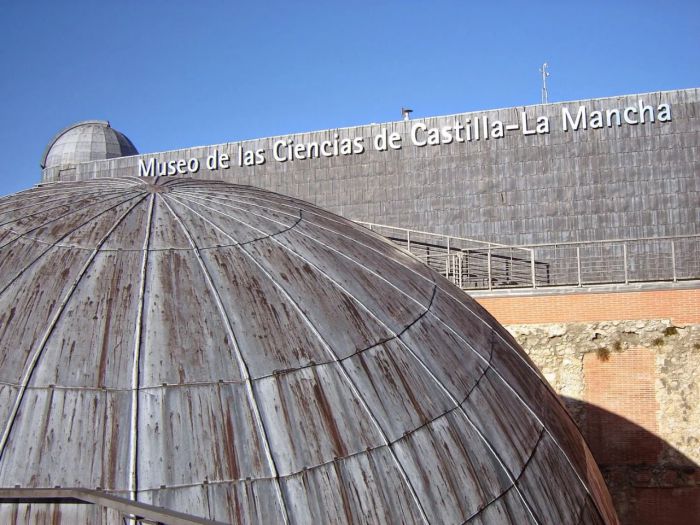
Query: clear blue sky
[173, 74]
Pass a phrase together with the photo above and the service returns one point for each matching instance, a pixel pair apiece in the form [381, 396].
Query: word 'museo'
[420, 134]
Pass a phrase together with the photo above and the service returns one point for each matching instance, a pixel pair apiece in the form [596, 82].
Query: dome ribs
[51, 244]
[482, 317]
[518, 395]
[313, 246]
[36, 355]
[446, 391]
[241, 363]
[344, 374]
[280, 225]
[426, 369]
[73, 211]
[508, 344]
[135, 369]
[67, 199]
[489, 513]
[251, 358]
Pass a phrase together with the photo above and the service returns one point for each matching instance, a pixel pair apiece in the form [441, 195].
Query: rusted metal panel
[89, 234]
[68, 438]
[244, 502]
[450, 359]
[184, 336]
[15, 260]
[272, 334]
[554, 493]
[165, 233]
[339, 318]
[534, 393]
[466, 326]
[49, 226]
[507, 509]
[400, 393]
[313, 417]
[510, 429]
[204, 232]
[120, 508]
[196, 433]
[131, 231]
[91, 345]
[589, 514]
[47, 203]
[7, 236]
[29, 303]
[454, 471]
[242, 222]
[373, 253]
[51, 514]
[250, 501]
[365, 488]
[8, 395]
[386, 301]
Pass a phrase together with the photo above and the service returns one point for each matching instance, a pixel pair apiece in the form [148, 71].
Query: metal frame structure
[131, 511]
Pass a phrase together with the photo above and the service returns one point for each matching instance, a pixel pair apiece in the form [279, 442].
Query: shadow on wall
[651, 482]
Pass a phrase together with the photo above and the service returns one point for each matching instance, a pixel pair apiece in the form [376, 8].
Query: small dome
[246, 357]
[86, 141]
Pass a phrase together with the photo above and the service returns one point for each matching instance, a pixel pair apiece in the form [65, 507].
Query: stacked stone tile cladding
[615, 182]
[627, 364]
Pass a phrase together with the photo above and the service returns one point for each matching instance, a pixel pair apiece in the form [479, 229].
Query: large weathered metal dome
[238, 355]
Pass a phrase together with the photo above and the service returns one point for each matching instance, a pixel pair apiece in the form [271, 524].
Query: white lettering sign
[420, 135]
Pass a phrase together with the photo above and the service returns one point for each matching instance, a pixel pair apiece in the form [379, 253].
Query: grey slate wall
[619, 182]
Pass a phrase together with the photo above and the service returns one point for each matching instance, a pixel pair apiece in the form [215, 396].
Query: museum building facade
[611, 168]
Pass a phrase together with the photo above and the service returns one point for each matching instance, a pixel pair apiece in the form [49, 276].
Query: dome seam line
[136, 359]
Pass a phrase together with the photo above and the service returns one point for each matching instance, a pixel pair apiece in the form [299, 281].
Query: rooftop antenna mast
[545, 74]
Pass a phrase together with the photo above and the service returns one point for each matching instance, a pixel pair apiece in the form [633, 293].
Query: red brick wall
[623, 387]
[681, 306]
[653, 506]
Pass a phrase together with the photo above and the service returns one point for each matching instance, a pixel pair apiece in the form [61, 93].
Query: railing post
[461, 260]
[624, 260]
[673, 260]
[532, 268]
[408, 240]
[448, 253]
[578, 265]
[455, 269]
[488, 266]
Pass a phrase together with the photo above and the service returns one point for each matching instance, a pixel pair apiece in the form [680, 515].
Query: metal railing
[133, 512]
[622, 261]
[479, 265]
